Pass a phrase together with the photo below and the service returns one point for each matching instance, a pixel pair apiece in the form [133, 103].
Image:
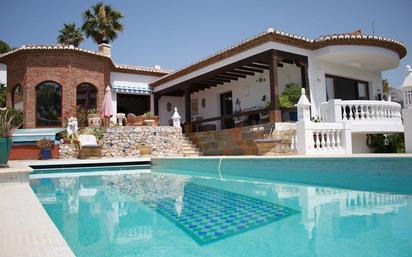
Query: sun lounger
[89, 147]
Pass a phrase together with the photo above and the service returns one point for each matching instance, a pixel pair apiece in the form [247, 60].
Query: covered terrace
[266, 63]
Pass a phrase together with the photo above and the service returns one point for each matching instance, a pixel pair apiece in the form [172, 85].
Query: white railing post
[406, 89]
[334, 110]
[347, 139]
[176, 119]
[303, 107]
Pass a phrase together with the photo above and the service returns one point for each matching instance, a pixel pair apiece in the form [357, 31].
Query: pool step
[189, 149]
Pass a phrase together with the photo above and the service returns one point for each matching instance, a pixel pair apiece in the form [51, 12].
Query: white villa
[342, 75]
[239, 88]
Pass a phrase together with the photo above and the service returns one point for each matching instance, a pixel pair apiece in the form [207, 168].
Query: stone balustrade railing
[337, 110]
[323, 138]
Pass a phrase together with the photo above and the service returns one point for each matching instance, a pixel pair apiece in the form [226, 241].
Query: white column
[152, 103]
[304, 142]
[347, 138]
[407, 125]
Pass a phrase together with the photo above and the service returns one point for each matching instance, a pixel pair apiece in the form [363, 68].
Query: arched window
[48, 104]
[17, 97]
[86, 96]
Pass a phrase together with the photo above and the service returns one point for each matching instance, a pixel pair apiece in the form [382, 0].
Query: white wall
[129, 80]
[137, 80]
[359, 144]
[320, 68]
[175, 101]
[3, 73]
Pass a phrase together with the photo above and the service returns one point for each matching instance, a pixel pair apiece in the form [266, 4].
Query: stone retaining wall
[127, 141]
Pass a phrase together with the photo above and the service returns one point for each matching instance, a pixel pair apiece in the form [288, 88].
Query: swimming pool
[189, 213]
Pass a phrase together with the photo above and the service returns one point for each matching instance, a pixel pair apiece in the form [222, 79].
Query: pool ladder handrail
[219, 168]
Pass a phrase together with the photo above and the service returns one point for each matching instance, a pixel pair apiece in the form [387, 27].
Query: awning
[129, 89]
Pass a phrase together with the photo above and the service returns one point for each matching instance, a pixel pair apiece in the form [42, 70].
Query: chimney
[105, 49]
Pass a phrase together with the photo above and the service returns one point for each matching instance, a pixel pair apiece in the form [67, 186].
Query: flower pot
[5, 146]
[45, 154]
[293, 115]
[149, 122]
[94, 120]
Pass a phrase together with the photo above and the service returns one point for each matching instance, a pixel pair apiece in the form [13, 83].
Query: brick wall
[69, 69]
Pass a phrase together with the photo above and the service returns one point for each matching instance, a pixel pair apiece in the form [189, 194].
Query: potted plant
[93, 118]
[45, 146]
[149, 119]
[290, 96]
[10, 120]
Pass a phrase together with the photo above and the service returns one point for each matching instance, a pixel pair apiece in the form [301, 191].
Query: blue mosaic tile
[211, 214]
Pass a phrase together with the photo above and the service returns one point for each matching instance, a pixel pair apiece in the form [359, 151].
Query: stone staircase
[189, 149]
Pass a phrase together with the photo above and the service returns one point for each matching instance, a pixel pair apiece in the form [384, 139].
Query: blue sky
[176, 33]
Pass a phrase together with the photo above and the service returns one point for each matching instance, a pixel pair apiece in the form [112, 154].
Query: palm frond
[102, 23]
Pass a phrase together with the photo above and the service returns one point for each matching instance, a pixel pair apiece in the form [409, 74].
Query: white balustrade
[370, 110]
[360, 110]
[323, 138]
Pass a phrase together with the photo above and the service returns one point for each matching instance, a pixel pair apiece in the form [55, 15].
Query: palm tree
[102, 23]
[70, 35]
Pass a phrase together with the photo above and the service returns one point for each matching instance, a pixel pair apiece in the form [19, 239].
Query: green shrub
[2, 95]
[290, 95]
[284, 102]
[387, 143]
[10, 119]
[81, 115]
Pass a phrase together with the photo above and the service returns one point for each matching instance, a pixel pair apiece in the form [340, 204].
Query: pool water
[163, 214]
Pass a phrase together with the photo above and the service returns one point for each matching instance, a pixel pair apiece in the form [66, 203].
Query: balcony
[363, 116]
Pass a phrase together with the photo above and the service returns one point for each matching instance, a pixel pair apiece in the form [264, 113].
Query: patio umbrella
[107, 109]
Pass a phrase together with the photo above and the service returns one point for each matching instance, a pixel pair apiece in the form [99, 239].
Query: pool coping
[294, 156]
[20, 233]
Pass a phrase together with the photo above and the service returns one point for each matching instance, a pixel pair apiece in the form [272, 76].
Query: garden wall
[127, 141]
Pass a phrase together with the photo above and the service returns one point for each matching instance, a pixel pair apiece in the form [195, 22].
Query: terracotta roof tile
[130, 68]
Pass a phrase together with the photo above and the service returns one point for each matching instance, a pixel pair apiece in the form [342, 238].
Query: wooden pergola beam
[259, 66]
[232, 73]
[251, 69]
[223, 76]
[238, 70]
[210, 81]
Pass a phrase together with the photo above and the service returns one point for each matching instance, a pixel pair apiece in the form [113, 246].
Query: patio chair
[88, 147]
